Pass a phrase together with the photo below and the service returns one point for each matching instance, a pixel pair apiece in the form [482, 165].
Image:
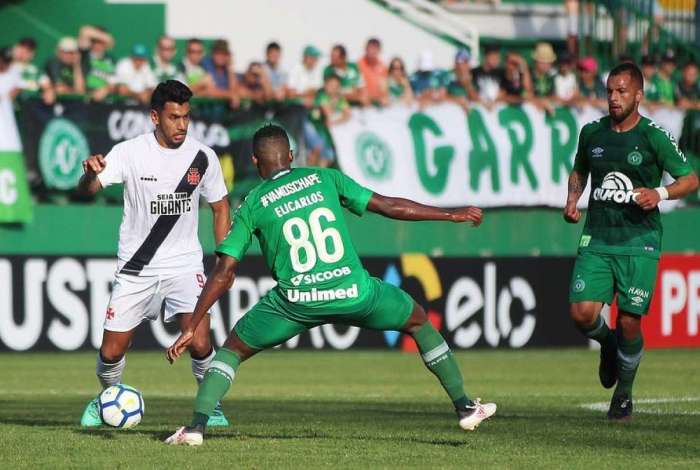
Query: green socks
[599, 331]
[441, 362]
[217, 381]
[629, 354]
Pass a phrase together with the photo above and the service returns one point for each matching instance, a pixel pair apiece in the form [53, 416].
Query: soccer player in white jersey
[164, 172]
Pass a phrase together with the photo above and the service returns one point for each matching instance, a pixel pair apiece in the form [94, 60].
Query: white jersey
[162, 186]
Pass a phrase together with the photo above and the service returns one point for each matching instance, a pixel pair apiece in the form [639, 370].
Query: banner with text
[15, 200]
[440, 155]
[58, 138]
[59, 303]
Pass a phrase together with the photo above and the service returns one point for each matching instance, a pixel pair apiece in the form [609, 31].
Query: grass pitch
[359, 410]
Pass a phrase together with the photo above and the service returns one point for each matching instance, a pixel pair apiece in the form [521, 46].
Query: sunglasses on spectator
[195, 51]
[166, 48]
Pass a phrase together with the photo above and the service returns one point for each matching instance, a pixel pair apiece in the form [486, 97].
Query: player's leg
[130, 303]
[592, 285]
[635, 277]
[262, 327]
[394, 309]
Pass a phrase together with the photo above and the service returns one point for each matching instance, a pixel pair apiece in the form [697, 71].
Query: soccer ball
[121, 406]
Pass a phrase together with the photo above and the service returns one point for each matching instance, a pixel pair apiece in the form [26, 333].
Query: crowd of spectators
[544, 78]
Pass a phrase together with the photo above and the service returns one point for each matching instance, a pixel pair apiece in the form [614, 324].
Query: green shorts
[274, 320]
[599, 276]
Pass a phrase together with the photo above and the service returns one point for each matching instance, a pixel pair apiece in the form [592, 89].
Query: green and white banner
[440, 155]
[15, 201]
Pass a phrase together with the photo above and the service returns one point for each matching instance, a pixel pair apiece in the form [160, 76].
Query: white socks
[200, 366]
[110, 373]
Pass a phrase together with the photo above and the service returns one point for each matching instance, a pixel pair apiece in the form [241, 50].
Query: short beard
[625, 114]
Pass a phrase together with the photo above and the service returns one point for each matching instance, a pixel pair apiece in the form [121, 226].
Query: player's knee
[111, 353]
[416, 320]
[582, 315]
[630, 326]
[200, 347]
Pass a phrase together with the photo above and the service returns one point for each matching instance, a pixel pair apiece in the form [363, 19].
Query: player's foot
[620, 408]
[470, 418]
[217, 419]
[607, 369]
[187, 436]
[91, 415]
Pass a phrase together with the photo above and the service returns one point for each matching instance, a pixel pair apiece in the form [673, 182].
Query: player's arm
[405, 209]
[578, 178]
[217, 284]
[648, 199]
[676, 164]
[222, 219]
[89, 184]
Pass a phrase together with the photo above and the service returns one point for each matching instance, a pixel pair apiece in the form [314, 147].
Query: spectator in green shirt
[330, 109]
[162, 62]
[543, 77]
[591, 89]
[459, 80]
[98, 66]
[688, 88]
[398, 85]
[651, 92]
[351, 82]
[664, 79]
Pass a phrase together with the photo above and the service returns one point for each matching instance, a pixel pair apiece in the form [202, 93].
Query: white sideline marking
[603, 406]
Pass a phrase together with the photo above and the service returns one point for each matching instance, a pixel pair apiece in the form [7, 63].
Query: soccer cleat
[91, 415]
[620, 408]
[187, 436]
[470, 418]
[607, 369]
[217, 419]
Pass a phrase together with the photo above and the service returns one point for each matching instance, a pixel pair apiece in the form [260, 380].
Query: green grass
[357, 410]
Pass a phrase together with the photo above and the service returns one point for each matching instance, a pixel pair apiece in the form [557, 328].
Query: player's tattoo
[577, 183]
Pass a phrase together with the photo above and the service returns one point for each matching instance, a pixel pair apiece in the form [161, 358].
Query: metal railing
[611, 28]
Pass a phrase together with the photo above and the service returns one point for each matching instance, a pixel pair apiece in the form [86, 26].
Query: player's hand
[572, 214]
[94, 165]
[470, 214]
[179, 346]
[646, 198]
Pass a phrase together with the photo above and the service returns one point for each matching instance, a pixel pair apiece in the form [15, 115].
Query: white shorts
[138, 298]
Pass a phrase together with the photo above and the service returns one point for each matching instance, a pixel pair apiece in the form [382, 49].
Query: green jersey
[297, 216]
[350, 76]
[99, 71]
[619, 162]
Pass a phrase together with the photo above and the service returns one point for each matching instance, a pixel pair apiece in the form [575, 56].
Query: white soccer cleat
[185, 436]
[470, 419]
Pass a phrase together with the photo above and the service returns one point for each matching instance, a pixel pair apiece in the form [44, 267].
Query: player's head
[271, 149]
[170, 112]
[625, 91]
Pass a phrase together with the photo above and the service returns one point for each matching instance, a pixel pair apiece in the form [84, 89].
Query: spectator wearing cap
[22, 64]
[651, 92]
[351, 83]
[664, 78]
[543, 76]
[279, 79]
[98, 66]
[516, 85]
[306, 78]
[591, 89]
[219, 66]
[374, 72]
[162, 63]
[135, 79]
[565, 81]
[688, 88]
[63, 73]
[487, 78]
[398, 86]
[196, 77]
[459, 80]
[428, 82]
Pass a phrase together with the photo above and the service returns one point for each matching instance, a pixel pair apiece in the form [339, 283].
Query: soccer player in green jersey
[625, 155]
[297, 216]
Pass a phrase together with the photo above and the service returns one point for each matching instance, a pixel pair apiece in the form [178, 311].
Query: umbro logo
[149, 178]
[598, 152]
